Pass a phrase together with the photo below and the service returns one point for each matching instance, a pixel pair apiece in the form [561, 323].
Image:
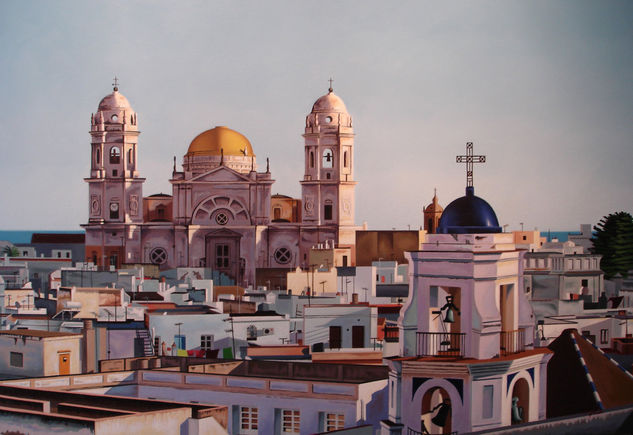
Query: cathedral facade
[221, 213]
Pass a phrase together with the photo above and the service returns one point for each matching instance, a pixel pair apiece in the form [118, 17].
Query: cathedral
[221, 213]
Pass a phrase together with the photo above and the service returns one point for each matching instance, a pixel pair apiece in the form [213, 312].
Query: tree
[613, 239]
[11, 251]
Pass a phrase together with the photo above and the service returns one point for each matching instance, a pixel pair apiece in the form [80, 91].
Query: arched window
[115, 155]
[130, 156]
[98, 156]
[345, 159]
[328, 158]
[312, 159]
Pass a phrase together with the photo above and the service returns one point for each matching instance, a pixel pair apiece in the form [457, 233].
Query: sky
[542, 88]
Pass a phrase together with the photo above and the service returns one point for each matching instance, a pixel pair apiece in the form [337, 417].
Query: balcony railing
[441, 344]
[391, 333]
[512, 342]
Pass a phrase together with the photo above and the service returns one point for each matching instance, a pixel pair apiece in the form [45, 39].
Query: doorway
[520, 406]
[335, 337]
[436, 413]
[64, 363]
[358, 336]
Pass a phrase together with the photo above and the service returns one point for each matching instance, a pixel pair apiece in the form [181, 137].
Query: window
[115, 155]
[290, 421]
[221, 218]
[248, 419]
[115, 172]
[328, 159]
[345, 159]
[67, 254]
[16, 359]
[334, 421]
[206, 342]
[312, 159]
[327, 212]
[283, 255]
[487, 405]
[584, 282]
[277, 213]
[524, 237]
[328, 119]
[158, 256]
[130, 156]
[181, 341]
[98, 155]
[344, 260]
[222, 256]
[604, 336]
[328, 175]
[59, 254]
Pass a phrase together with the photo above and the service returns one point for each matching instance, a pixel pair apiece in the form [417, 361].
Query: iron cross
[469, 159]
[330, 84]
[116, 83]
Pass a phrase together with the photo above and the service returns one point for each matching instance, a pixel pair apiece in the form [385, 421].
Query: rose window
[283, 255]
[158, 256]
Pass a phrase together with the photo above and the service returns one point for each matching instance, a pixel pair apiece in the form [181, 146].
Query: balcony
[441, 344]
[391, 333]
[512, 342]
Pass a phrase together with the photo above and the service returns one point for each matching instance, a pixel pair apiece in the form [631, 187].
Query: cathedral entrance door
[223, 253]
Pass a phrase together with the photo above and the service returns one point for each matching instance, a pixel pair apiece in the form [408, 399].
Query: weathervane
[469, 159]
[116, 83]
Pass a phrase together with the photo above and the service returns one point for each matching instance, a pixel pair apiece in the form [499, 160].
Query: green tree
[613, 239]
[11, 251]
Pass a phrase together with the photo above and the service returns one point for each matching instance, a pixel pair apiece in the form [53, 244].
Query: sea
[25, 236]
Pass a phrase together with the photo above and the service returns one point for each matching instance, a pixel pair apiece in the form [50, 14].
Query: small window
[488, 401]
[181, 341]
[67, 254]
[345, 159]
[584, 282]
[115, 172]
[334, 421]
[206, 342]
[312, 159]
[328, 119]
[130, 156]
[16, 359]
[327, 212]
[114, 210]
[524, 237]
[248, 420]
[291, 421]
[283, 255]
[328, 158]
[328, 176]
[25, 253]
[158, 256]
[114, 118]
[59, 255]
[604, 336]
[98, 155]
[115, 155]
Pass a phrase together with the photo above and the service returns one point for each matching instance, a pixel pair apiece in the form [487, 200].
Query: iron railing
[512, 342]
[416, 432]
[441, 344]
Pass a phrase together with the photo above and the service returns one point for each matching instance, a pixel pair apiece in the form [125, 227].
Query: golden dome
[210, 142]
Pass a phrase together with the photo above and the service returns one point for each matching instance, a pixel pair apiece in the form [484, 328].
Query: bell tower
[115, 188]
[328, 183]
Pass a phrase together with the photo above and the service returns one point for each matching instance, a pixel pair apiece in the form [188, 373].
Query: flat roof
[37, 333]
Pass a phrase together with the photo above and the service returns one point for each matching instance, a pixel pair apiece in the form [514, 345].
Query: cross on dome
[469, 159]
[115, 83]
[330, 88]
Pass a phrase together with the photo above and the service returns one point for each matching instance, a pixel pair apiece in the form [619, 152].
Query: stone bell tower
[115, 188]
[328, 184]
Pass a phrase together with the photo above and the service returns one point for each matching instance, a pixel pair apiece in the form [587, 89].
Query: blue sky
[543, 88]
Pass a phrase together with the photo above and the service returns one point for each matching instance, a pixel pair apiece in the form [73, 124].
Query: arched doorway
[436, 412]
[520, 405]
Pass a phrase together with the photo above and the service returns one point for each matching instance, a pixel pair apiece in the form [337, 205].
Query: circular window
[283, 255]
[221, 218]
[114, 118]
[158, 256]
[328, 119]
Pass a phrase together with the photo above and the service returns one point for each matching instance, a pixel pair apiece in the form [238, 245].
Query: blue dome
[468, 215]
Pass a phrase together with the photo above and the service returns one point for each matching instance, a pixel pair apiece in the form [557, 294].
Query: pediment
[221, 174]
